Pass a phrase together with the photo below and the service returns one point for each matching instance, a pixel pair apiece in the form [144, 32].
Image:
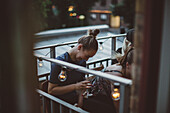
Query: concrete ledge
[68, 31]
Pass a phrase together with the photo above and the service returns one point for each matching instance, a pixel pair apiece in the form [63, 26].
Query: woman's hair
[127, 42]
[130, 35]
[128, 57]
[89, 41]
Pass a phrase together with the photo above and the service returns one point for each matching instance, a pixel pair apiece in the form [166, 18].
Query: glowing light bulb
[40, 63]
[70, 8]
[62, 76]
[116, 92]
[101, 46]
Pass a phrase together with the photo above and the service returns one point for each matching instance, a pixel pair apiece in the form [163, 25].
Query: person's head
[127, 61]
[128, 41]
[130, 35]
[87, 45]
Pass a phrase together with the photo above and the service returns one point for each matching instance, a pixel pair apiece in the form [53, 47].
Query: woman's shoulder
[116, 66]
[115, 69]
[63, 56]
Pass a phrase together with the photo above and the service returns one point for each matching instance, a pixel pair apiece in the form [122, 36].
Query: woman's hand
[82, 85]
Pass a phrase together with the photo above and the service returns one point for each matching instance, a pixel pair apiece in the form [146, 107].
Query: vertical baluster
[51, 103]
[52, 52]
[124, 99]
[70, 111]
[61, 108]
[106, 63]
[94, 65]
[101, 63]
[87, 68]
[47, 77]
[43, 102]
[113, 46]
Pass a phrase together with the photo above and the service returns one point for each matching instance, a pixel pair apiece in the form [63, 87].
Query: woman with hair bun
[66, 87]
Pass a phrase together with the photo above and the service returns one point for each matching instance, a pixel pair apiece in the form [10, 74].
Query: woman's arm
[54, 89]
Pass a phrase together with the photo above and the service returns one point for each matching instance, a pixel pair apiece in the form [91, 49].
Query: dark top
[72, 77]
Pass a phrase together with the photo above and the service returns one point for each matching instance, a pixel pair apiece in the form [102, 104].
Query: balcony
[47, 53]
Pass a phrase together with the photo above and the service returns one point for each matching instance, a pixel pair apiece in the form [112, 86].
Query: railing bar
[87, 66]
[43, 102]
[99, 60]
[55, 99]
[73, 42]
[70, 111]
[85, 70]
[51, 103]
[94, 64]
[124, 99]
[100, 63]
[43, 75]
[122, 91]
[106, 63]
[61, 108]
[46, 77]
[113, 46]
[52, 53]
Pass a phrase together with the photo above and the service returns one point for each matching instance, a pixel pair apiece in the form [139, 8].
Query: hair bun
[94, 32]
[90, 32]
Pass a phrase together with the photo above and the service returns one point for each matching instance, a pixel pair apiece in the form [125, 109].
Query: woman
[66, 87]
[102, 88]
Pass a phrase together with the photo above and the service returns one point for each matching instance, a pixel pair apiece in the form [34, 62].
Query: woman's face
[129, 70]
[85, 54]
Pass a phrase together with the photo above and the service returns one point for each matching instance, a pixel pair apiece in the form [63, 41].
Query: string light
[70, 8]
[101, 46]
[62, 76]
[72, 46]
[116, 92]
[40, 63]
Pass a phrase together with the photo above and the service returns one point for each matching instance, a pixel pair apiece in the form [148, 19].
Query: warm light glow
[70, 8]
[81, 17]
[62, 76]
[71, 14]
[115, 21]
[100, 11]
[116, 95]
[74, 14]
[101, 46]
[40, 63]
[53, 6]
[115, 89]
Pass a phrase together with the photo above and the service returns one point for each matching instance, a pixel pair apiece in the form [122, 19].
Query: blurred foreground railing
[62, 103]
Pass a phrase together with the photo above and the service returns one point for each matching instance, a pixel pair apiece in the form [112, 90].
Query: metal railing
[62, 103]
[53, 46]
[124, 83]
[53, 51]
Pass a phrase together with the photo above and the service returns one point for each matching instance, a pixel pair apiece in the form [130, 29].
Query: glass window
[103, 16]
[93, 16]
